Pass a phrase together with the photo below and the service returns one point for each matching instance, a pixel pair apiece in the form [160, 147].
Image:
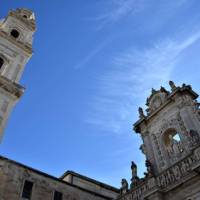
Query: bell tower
[16, 36]
[170, 129]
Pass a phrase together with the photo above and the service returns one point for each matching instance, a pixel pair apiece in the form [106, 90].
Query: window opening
[14, 33]
[57, 195]
[27, 190]
[172, 141]
[1, 62]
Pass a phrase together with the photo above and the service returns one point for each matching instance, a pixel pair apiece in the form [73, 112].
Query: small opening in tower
[14, 33]
[1, 62]
[25, 16]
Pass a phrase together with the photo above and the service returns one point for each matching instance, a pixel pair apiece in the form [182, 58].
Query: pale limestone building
[19, 182]
[170, 131]
[16, 35]
[171, 143]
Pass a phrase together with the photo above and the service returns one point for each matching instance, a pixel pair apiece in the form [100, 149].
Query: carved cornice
[11, 87]
[27, 49]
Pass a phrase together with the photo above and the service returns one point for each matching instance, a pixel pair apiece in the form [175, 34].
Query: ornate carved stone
[133, 169]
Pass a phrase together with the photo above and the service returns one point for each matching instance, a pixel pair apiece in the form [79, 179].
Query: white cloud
[120, 9]
[92, 54]
[130, 79]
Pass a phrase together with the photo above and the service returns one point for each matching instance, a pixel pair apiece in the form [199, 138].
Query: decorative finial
[141, 113]
[172, 85]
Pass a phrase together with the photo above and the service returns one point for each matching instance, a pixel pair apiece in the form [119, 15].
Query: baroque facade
[170, 131]
[171, 143]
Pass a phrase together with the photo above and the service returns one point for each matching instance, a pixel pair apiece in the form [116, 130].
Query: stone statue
[172, 85]
[134, 169]
[141, 113]
[124, 186]
[135, 179]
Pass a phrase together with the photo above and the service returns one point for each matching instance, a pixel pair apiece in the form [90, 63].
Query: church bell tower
[16, 36]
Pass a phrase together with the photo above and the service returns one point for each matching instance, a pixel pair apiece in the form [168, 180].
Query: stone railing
[172, 176]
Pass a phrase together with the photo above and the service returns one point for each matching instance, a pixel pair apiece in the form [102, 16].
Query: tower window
[14, 33]
[1, 62]
[27, 190]
[57, 195]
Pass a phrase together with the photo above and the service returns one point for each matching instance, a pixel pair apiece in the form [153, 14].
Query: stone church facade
[171, 143]
[170, 131]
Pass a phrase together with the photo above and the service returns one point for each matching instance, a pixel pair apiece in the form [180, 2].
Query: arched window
[171, 135]
[172, 141]
[14, 33]
[1, 62]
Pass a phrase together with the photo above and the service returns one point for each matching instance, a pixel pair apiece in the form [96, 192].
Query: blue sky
[94, 64]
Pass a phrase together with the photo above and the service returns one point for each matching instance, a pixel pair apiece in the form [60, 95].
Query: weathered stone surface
[13, 175]
[15, 51]
[171, 136]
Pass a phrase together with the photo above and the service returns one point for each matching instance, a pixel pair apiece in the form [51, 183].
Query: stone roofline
[51, 177]
[184, 89]
[104, 185]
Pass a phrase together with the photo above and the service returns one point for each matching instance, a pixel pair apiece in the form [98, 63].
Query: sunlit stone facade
[170, 131]
[16, 35]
